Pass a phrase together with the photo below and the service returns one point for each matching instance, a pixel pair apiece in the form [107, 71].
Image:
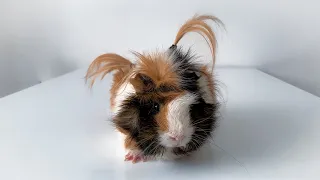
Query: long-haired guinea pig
[165, 103]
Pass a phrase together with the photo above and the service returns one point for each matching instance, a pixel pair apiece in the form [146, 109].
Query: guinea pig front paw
[135, 156]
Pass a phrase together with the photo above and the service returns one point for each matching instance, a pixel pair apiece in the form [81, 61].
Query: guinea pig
[164, 104]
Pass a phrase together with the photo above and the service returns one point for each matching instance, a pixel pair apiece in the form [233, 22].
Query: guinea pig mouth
[174, 145]
[171, 141]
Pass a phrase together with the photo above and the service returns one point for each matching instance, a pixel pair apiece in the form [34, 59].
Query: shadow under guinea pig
[210, 158]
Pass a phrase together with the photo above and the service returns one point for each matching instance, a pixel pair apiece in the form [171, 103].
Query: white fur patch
[120, 150]
[207, 95]
[179, 121]
[169, 155]
[123, 93]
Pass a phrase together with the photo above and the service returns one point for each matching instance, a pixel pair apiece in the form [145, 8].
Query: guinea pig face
[160, 119]
[162, 106]
[177, 115]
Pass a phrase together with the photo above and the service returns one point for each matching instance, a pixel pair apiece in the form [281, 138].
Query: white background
[41, 39]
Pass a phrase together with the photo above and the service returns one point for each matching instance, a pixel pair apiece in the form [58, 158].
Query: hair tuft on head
[199, 25]
[107, 63]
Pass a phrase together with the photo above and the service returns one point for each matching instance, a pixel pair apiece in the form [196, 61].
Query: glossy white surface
[61, 130]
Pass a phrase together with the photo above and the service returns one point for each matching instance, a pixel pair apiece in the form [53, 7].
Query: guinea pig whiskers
[150, 145]
[203, 130]
[200, 138]
[154, 150]
[211, 141]
[206, 132]
[198, 121]
[144, 140]
[240, 163]
[196, 143]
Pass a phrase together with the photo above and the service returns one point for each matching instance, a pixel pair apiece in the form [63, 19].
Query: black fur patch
[203, 118]
[203, 115]
[137, 118]
[186, 68]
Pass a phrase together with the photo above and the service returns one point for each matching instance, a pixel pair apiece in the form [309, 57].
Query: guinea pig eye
[192, 75]
[155, 109]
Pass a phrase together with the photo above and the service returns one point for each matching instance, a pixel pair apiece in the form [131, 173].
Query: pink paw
[135, 157]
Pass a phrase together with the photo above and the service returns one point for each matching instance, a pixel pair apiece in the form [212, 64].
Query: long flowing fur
[107, 63]
[199, 25]
[154, 81]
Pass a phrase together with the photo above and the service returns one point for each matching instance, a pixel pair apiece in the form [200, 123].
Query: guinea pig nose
[176, 137]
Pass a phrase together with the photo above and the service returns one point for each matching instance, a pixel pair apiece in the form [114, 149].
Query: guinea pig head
[158, 108]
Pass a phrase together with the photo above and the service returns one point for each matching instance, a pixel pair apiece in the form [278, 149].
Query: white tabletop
[60, 130]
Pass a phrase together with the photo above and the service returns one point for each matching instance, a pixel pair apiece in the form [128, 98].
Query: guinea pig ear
[143, 83]
[193, 75]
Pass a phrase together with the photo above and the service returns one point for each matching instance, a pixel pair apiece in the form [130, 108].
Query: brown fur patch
[158, 68]
[117, 82]
[162, 119]
[130, 143]
[198, 24]
[122, 131]
[107, 63]
[129, 120]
